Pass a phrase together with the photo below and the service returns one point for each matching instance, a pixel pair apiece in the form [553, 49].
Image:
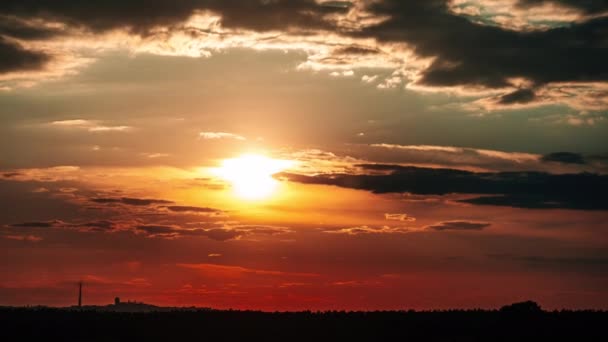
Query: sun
[251, 175]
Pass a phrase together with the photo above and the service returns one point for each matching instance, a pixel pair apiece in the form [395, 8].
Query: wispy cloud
[359, 230]
[90, 125]
[220, 135]
[27, 238]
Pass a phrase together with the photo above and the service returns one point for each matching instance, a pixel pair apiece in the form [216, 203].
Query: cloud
[11, 174]
[101, 225]
[50, 174]
[518, 96]
[27, 238]
[26, 30]
[109, 128]
[399, 217]
[72, 123]
[459, 225]
[191, 209]
[86, 226]
[537, 190]
[16, 58]
[466, 46]
[359, 230]
[506, 54]
[564, 157]
[90, 125]
[453, 156]
[159, 230]
[225, 233]
[524, 15]
[369, 79]
[140, 16]
[39, 224]
[220, 135]
[441, 226]
[155, 155]
[588, 6]
[130, 201]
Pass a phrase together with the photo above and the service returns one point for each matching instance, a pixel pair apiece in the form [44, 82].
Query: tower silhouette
[80, 294]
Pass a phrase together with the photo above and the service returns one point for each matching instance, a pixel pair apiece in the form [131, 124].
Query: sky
[303, 154]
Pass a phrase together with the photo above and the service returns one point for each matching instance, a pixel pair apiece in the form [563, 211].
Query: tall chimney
[80, 294]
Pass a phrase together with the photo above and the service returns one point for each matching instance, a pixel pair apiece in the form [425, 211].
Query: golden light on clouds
[251, 175]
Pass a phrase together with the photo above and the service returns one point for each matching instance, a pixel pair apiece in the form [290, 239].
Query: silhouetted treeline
[519, 323]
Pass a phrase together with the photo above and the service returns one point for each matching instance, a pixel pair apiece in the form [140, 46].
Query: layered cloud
[130, 201]
[453, 157]
[526, 55]
[454, 225]
[537, 190]
[217, 231]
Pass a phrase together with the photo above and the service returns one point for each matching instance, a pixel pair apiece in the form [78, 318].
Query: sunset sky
[304, 154]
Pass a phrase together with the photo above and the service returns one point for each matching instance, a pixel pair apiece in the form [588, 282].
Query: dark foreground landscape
[513, 323]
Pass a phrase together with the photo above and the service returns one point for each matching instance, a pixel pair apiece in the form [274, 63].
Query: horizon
[524, 308]
[299, 155]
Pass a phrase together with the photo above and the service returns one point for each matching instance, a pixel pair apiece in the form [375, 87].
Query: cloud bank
[424, 45]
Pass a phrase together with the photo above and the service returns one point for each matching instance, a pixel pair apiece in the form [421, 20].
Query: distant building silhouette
[526, 307]
[117, 301]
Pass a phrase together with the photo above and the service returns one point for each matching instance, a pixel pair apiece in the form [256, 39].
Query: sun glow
[251, 175]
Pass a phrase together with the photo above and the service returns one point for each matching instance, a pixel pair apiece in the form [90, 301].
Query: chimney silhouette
[80, 294]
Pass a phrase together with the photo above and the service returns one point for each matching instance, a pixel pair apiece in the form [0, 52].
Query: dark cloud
[38, 224]
[100, 225]
[564, 158]
[141, 15]
[517, 189]
[16, 58]
[465, 52]
[222, 234]
[130, 201]
[356, 50]
[336, 4]
[137, 15]
[459, 225]
[518, 96]
[156, 229]
[11, 174]
[599, 157]
[189, 209]
[588, 6]
[477, 54]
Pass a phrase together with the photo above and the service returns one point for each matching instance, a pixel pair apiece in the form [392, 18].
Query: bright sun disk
[251, 175]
